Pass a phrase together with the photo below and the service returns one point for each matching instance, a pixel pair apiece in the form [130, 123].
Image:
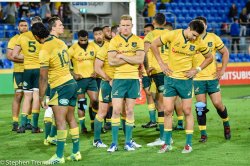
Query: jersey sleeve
[101, 53]
[218, 43]
[203, 48]
[149, 38]
[11, 44]
[112, 45]
[19, 40]
[167, 37]
[140, 46]
[44, 58]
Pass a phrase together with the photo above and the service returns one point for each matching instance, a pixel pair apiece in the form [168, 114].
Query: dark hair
[97, 29]
[21, 21]
[196, 25]
[36, 19]
[169, 24]
[201, 18]
[38, 29]
[82, 33]
[106, 26]
[149, 25]
[160, 18]
[114, 28]
[52, 22]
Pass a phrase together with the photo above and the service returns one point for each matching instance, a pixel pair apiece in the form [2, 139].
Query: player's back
[150, 37]
[30, 48]
[54, 55]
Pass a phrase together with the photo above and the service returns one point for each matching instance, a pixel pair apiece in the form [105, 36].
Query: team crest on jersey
[120, 45]
[210, 44]
[134, 44]
[191, 48]
[91, 53]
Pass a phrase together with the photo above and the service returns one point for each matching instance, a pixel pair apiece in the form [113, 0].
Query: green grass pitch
[217, 151]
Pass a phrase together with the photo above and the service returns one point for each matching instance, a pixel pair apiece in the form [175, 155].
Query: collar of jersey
[204, 36]
[50, 38]
[160, 28]
[184, 37]
[53, 36]
[101, 44]
[126, 39]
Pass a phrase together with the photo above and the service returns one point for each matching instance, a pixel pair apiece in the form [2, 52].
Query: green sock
[168, 136]
[180, 123]
[123, 125]
[128, 135]
[47, 128]
[203, 132]
[60, 148]
[35, 119]
[75, 145]
[189, 139]
[28, 119]
[61, 138]
[152, 115]
[161, 126]
[23, 120]
[115, 130]
[97, 129]
[53, 131]
[82, 123]
[226, 123]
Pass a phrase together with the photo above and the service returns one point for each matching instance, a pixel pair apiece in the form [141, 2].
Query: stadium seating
[216, 11]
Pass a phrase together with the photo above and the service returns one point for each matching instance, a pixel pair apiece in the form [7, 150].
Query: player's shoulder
[135, 37]
[27, 34]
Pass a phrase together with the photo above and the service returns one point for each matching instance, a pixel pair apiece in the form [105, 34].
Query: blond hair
[126, 17]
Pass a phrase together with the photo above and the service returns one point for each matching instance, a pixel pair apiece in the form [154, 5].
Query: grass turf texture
[217, 151]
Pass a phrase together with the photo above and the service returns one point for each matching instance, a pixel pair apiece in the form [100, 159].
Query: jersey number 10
[64, 61]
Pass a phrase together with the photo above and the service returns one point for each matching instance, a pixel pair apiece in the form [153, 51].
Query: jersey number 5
[32, 46]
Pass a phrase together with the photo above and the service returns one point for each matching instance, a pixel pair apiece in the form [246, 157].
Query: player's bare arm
[154, 47]
[225, 56]
[43, 83]
[208, 59]
[16, 53]
[114, 60]
[76, 76]
[98, 69]
[11, 57]
[146, 48]
[136, 60]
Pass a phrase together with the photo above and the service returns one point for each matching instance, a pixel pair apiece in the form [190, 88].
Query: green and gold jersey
[30, 48]
[149, 38]
[18, 67]
[181, 52]
[102, 54]
[126, 47]
[53, 55]
[214, 43]
[83, 60]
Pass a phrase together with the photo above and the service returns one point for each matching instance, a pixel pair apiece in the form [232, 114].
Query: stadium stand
[178, 12]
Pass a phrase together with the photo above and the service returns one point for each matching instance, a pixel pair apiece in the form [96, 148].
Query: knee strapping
[201, 108]
[82, 104]
[95, 105]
